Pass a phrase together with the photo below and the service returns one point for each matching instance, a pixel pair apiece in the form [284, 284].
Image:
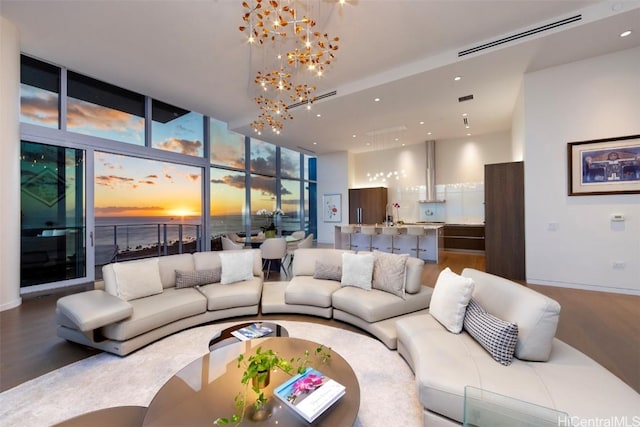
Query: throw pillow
[495, 335]
[450, 298]
[389, 272]
[189, 278]
[137, 279]
[357, 270]
[236, 266]
[327, 271]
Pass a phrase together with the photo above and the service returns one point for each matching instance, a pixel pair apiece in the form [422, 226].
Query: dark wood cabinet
[468, 237]
[504, 220]
[372, 201]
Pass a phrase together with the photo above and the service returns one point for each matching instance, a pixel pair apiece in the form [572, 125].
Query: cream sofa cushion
[169, 264]
[151, 313]
[238, 294]
[357, 270]
[451, 295]
[210, 260]
[536, 315]
[305, 290]
[304, 262]
[137, 279]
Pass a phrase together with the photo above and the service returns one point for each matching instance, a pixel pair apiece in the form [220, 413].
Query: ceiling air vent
[317, 98]
[521, 35]
[465, 98]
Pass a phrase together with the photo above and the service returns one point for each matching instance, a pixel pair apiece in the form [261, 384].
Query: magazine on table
[252, 331]
[310, 394]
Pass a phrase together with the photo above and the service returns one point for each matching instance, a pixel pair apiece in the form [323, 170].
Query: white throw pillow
[357, 270]
[137, 279]
[236, 266]
[450, 298]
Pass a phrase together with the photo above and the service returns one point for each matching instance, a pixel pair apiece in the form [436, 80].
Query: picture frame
[332, 207]
[604, 166]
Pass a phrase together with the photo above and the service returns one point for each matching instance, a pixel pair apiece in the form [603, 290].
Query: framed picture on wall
[332, 207]
[604, 166]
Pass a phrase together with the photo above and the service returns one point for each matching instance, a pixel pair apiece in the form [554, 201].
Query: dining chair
[307, 242]
[228, 245]
[273, 249]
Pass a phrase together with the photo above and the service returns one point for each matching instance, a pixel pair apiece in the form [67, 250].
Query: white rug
[387, 386]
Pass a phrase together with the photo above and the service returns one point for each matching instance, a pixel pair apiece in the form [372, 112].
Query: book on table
[310, 394]
[255, 330]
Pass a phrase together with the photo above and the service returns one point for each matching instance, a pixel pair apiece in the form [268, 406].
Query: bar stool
[391, 231]
[350, 230]
[369, 231]
[418, 232]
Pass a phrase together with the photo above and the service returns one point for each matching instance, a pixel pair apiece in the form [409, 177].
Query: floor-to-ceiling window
[142, 175]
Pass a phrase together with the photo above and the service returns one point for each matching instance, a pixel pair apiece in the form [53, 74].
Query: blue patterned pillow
[496, 336]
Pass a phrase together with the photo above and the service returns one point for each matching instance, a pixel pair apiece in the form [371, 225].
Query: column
[9, 165]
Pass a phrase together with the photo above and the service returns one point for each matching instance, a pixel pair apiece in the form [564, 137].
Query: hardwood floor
[604, 326]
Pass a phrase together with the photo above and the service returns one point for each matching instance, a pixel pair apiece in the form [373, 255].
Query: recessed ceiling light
[428, 133]
[397, 139]
[403, 144]
[353, 136]
[421, 123]
[625, 34]
[376, 99]
[464, 114]
[457, 78]
[315, 143]
[368, 143]
[468, 134]
[318, 115]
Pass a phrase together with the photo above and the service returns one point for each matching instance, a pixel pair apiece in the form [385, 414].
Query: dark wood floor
[604, 326]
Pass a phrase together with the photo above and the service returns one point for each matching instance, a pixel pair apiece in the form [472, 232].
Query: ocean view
[143, 232]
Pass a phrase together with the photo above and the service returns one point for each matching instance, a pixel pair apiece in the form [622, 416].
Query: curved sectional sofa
[544, 370]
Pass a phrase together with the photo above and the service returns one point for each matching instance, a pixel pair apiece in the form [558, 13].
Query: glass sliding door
[53, 214]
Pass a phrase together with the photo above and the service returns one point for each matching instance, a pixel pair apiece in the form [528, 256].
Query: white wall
[462, 160]
[9, 165]
[518, 128]
[586, 100]
[333, 177]
[401, 170]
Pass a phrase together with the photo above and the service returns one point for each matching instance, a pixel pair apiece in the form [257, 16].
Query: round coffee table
[204, 390]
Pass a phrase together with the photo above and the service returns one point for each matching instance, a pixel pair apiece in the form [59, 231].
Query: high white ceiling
[190, 53]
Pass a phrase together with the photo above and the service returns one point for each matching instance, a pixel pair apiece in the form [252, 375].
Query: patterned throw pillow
[388, 272]
[497, 336]
[189, 278]
[327, 271]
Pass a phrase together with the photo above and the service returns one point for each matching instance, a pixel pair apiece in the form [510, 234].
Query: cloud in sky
[184, 146]
[113, 181]
[40, 109]
[81, 114]
[265, 185]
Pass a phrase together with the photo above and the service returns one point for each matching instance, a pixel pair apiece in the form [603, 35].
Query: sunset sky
[128, 186]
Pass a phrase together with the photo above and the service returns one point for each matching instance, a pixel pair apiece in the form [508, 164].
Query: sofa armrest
[93, 309]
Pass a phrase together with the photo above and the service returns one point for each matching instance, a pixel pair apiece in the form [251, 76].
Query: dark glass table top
[204, 390]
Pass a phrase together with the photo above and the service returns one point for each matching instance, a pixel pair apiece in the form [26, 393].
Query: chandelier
[293, 53]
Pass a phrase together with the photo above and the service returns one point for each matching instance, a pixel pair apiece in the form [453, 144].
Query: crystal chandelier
[302, 53]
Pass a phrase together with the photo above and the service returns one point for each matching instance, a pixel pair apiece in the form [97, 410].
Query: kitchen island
[431, 244]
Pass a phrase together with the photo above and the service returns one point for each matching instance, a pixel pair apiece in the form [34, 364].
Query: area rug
[388, 393]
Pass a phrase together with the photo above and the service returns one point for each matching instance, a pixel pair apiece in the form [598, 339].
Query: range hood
[431, 173]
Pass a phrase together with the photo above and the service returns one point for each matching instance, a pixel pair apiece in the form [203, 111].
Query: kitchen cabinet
[372, 201]
[468, 237]
[504, 220]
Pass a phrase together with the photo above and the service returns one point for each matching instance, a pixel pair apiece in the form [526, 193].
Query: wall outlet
[618, 265]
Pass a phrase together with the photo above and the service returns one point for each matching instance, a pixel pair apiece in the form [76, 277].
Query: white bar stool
[418, 232]
[369, 231]
[350, 230]
[391, 231]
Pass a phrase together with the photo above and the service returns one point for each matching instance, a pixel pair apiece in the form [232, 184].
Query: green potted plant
[257, 373]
